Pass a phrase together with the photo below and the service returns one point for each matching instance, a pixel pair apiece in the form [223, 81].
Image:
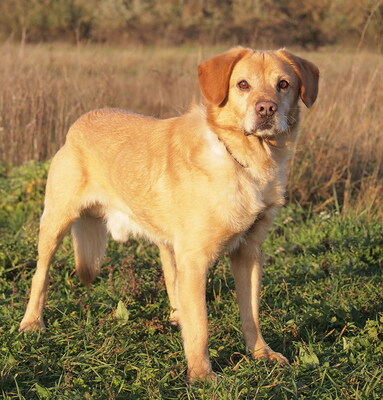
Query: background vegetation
[322, 299]
[338, 162]
[309, 23]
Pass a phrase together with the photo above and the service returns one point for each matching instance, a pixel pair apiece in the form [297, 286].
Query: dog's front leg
[191, 301]
[246, 265]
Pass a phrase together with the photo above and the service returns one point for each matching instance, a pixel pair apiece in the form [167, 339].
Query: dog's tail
[89, 240]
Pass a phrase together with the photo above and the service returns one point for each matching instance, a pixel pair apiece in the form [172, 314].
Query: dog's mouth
[265, 126]
[260, 128]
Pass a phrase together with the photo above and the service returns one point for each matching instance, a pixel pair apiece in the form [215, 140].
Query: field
[45, 88]
[322, 299]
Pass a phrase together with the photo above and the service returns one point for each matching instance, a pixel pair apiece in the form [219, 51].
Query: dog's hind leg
[52, 230]
[170, 273]
[61, 209]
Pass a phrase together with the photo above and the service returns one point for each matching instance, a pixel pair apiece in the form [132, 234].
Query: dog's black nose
[266, 108]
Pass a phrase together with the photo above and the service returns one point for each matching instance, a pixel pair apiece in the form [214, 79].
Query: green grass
[322, 306]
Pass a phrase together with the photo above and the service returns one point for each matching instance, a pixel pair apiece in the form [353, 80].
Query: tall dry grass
[45, 88]
[338, 161]
[339, 156]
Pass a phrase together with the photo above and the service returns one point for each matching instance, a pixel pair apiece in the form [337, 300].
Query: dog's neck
[252, 152]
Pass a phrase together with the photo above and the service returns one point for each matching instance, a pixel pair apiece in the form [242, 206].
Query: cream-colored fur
[196, 185]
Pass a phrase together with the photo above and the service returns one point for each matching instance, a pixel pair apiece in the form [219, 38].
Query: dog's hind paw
[29, 326]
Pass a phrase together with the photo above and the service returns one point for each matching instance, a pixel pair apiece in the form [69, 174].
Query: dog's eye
[243, 85]
[283, 84]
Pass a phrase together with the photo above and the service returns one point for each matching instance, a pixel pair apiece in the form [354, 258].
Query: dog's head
[257, 91]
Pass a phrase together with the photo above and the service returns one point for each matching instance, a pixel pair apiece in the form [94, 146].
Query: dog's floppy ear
[214, 74]
[308, 74]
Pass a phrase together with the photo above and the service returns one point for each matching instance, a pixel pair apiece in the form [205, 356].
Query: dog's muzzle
[265, 111]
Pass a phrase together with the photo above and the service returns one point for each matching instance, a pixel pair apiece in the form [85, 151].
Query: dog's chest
[254, 197]
[266, 189]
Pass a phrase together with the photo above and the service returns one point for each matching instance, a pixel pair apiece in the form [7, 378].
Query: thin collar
[232, 155]
[270, 141]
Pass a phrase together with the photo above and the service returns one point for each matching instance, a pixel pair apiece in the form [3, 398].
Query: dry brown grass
[339, 153]
[339, 157]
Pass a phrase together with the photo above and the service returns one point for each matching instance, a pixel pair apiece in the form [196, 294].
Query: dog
[196, 185]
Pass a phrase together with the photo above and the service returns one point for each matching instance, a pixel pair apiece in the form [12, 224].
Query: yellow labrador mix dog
[196, 185]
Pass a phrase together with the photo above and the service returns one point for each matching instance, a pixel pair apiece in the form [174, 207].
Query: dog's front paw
[268, 354]
[201, 376]
[34, 325]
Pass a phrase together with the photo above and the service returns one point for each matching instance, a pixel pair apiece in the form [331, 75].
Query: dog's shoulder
[195, 131]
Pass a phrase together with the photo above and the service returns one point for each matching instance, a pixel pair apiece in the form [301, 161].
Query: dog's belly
[235, 242]
[122, 225]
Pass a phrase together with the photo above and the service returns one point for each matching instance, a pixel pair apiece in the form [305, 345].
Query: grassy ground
[322, 306]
